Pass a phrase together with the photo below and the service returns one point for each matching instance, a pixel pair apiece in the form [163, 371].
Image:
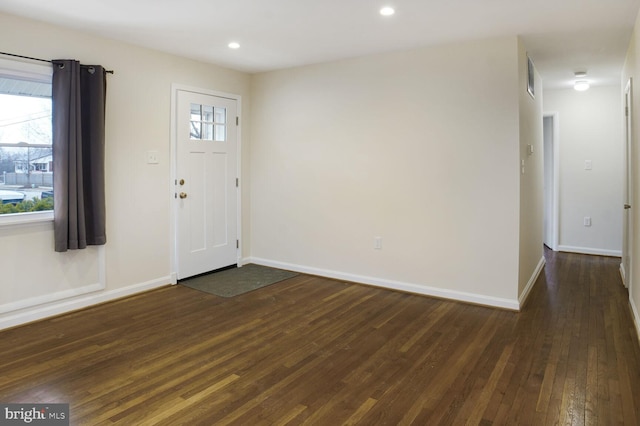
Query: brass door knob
[183, 195]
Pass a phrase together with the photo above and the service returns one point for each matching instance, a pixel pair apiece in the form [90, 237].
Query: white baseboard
[532, 281]
[588, 250]
[79, 302]
[49, 298]
[623, 275]
[460, 296]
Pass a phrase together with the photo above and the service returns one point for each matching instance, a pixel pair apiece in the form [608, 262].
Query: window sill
[14, 219]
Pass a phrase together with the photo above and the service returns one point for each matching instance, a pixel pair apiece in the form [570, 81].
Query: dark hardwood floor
[311, 350]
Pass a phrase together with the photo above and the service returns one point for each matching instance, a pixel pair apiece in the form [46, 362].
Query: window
[208, 123]
[26, 154]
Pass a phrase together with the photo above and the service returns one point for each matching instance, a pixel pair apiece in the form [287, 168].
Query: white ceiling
[561, 36]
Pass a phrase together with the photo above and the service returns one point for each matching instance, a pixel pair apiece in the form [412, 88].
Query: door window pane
[221, 133]
[207, 131]
[221, 115]
[195, 112]
[195, 122]
[207, 113]
[208, 123]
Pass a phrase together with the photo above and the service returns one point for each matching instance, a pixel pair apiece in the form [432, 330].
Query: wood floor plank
[312, 350]
[360, 412]
[478, 407]
[591, 398]
[182, 404]
[290, 416]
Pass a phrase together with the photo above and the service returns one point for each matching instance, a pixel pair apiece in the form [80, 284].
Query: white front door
[206, 183]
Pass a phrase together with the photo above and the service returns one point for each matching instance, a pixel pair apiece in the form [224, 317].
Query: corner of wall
[524, 294]
[531, 172]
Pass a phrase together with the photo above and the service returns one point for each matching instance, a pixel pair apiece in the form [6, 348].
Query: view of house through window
[26, 161]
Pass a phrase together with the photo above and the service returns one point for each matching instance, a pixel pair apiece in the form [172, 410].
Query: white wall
[632, 70]
[590, 128]
[420, 148]
[531, 170]
[137, 255]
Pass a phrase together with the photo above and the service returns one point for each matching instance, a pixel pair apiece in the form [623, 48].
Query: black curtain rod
[38, 59]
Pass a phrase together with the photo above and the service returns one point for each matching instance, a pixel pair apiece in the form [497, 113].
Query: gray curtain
[78, 97]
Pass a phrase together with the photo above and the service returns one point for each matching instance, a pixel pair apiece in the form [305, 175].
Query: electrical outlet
[152, 157]
[587, 221]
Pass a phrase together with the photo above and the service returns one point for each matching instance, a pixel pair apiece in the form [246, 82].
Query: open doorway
[551, 176]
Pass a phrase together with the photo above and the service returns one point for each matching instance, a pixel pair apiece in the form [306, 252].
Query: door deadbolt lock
[181, 182]
[627, 206]
[183, 195]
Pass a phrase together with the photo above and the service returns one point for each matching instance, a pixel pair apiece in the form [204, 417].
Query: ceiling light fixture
[234, 45]
[387, 11]
[580, 84]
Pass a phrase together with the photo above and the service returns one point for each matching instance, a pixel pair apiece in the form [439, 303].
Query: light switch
[377, 243]
[587, 165]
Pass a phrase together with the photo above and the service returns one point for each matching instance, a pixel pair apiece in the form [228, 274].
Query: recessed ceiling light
[387, 11]
[234, 45]
[581, 85]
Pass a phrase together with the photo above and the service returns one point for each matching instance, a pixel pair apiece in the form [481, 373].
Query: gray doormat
[232, 282]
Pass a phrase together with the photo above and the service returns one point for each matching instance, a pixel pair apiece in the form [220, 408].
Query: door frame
[173, 217]
[555, 186]
[627, 231]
